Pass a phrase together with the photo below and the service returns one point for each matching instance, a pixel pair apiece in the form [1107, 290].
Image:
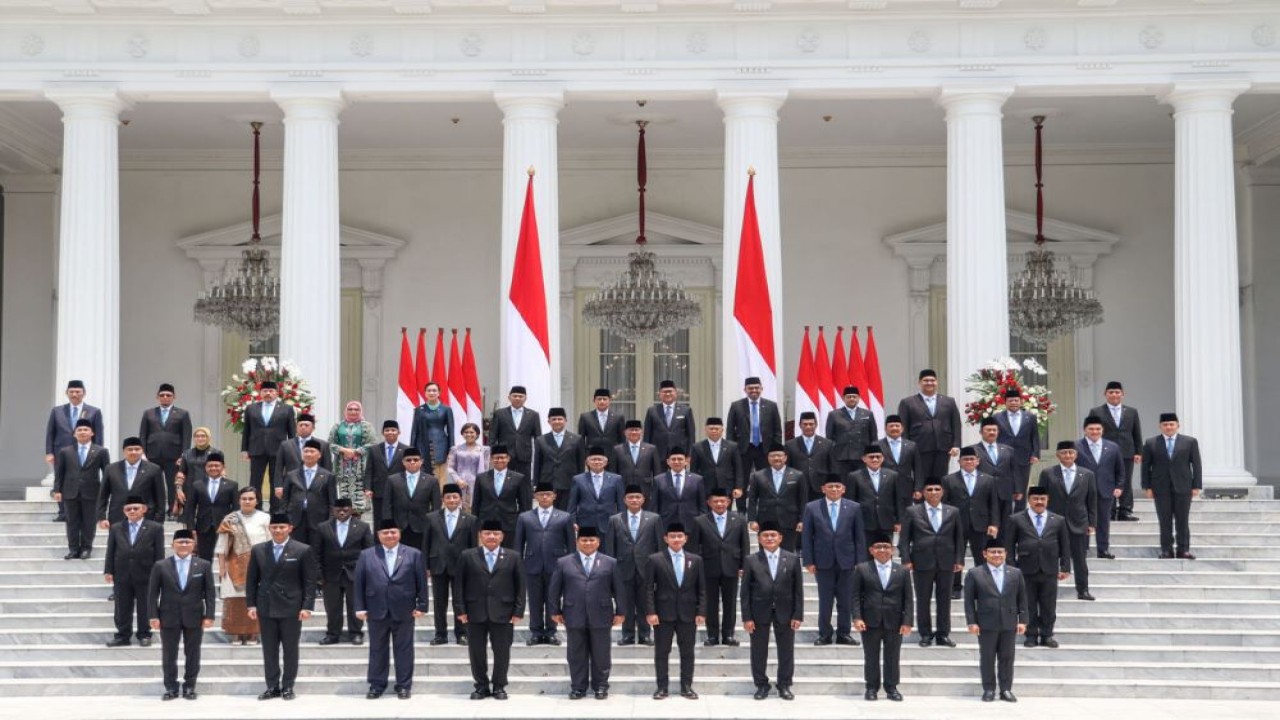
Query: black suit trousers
[633, 624]
[875, 639]
[191, 639]
[441, 586]
[976, 542]
[1042, 604]
[278, 634]
[131, 602]
[685, 635]
[786, 638]
[481, 636]
[995, 658]
[933, 585]
[934, 463]
[82, 522]
[1125, 505]
[1080, 560]
[335, 594]
[413, 539]
[1106, 505]
[589, 658]
[258, 467]
[834, 586]
[383, 634]
[206, 541]
[722, 590]
[1171, 509]
[540, 623]
[168, 468]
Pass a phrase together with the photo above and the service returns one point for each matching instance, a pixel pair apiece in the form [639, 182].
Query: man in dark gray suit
[632, 536]
[777, 493]
[995, 609]
[851, 429]
[669, 424]
[675, 604]
[932, 547]
[1020, 431]
[679, 495]
[280, 593]
[754, 424]
[60, 430]
[267, 423]
[309, 492]
[882, 603]
[1104, 459]
[181, 596]
[339, 542]
[391, 594]
[558, 456]
[1122, 426]
[834, 541]
[601, 426]
[932, 422]
[289, 456]
[134, 545]
[1073, 494]
[450, 532]
[876, 492]
[411, 496]
[720, 463]
[501, 494]
[384, 460]
[131, 476]
[772, 599]
[900, 456]
[721, 539]
[77, 479]
[810, 453]
[209, 499]
[165, 433]
[637, 461]
[596, 494]
[587, 597]
[997, 460]
[1037, 541]
[488, 597]
[543, 536]
[974, 494]
[1172, 475]
[516, 427]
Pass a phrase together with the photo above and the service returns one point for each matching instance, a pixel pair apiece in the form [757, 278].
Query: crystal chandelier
[642, 304]
[1044, 302]
[247, 301]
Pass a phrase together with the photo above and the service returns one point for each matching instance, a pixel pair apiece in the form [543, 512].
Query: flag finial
[751, 171]
[530, 171]
[404, 329]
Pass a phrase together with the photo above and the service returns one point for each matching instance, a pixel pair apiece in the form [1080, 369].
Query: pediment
[688, 252]
[228, 242]
[659, 230]
[1065, 238]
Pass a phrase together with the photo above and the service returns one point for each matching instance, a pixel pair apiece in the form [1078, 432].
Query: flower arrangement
[991, 381]
[244, 389]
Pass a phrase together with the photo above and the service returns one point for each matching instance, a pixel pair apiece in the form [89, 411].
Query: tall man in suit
[777, 493]
[165, 433]
[974, 494]
[280, 593]
[1172, 475]
[1122, 426]
[755, 424]
[810, 453]
[636, 460]
[77, 479]
[998, 460]
[309, 492]
[131, 476]
[1105, 460]
[587, 597]
[181, 596]
[267, 423]
[384, 460]
[772, 599]
[543, 536]
[134, 545]
[1073, 494]
[339, 542]
[596, 494]
[558, 456]
[851, 429]
[60, 430]
[669, 424]
[720, 463]
[675, 604]
[876, 492]
[995, 609]
[721, 539]
[900, 456]
[208, 502]
[601, 426]
[631, 537]
[1020, 431]
[679, 495]
[289, 456]
[390, 594]
[501, 494]
[450, 532]
[1038, 543]
[488, 597]
[834, 541]
[411, 496]
[932, 421]
[882, 603]
[932, 547]
[516, 427]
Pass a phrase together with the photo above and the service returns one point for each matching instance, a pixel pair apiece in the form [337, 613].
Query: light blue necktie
[164, 415]
[833, 509]
[75, 415]
[755, 422]
[884, 575]
[1168, 444]
[279, 550]
[133, 533]
[895, 448]
[84, 454]
[875, 481]
[679, 483]
[677, 562]
[213, 489]
[998, 576]
[499, 479]
[391, 453]
[993, 454]
[311, 475]
[635, 454]
[597, 481]
[1039, 525]
[934, 519]
[1015, 422]
[635, 527]
[773, 565]
[412, 481]
[808, 445]
[586, 563]
[1068, 478]
[970, 482]
[268, 409]
[391, 562]
[545, 515]
[931, 403]
[342, 534]
[182, 573]
[490, 558]
[720, 524]
[667, 412]
[449, 523]
[130, 471]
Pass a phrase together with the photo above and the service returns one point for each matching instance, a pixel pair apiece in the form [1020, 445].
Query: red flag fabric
[872, 364]
[839, 367]
[406, 393]
[806, 384]
[421, 373]
[439, 372]
[857, 373]
[457, 388]
[753, 304]
[822, 367]
[475, 408]
[526, 344]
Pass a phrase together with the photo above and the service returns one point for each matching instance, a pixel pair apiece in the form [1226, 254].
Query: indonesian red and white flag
[822, 366]
[806, 384]
[406, 395]
[457, 388]
[420, 372]
[439, 371]
[839, 368]
[857, 372]
[876, 394]
[526, 345]
[753, 304]
[475, 407]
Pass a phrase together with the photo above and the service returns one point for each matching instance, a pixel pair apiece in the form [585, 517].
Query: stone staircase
[1205, 629]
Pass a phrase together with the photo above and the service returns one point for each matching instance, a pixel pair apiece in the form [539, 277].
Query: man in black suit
[309, 492]
[59, 432]
[165, 433]
[932, 421]
[932, 547]
[777, 493]
[882, 603]
[633, 535]
[772, 599]
[1104, 459]
[1122, 426]
[280, 593]
[181, 595]
[810, 453]
[721, 539]
[384, 460]
[131, 476]
[488, 597]
[77, 479]
[675, 604]
[755, 424]
[1172, 475]
[543, 536]
[267, 423]
[901, 457]
[208, 501]
[289, 456]
[596, 494]
[516, 427]
[1073, 494]
[501, 494]
[669, 424]
[876, 492]
[834, 543]
[1021, 431]
[411, 496]
[391, 594]
[974, 495]
[636, 461]
[134, 545]
[558, 456]
[995, 609]
[679, 495]
[339, 542]
[720, 463]
[587, 597]
[1038, 543]
[998, 460]
[601, 426]
[851, 430]
[450, 532]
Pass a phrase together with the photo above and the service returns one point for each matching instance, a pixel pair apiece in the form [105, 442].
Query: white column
[977, 256]
[1207, 279]
[750, 141]
[310, 282]
[529, 122]
[88, 336]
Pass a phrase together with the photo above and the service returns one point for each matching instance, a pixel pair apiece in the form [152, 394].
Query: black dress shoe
[785, 693]
[374, 693]
[462, 640]
[648, 642]
[499, 694]
[357, 639]
[404, 694]
[439, 640]
[1049, 642]
[847, 640]
[688, 693]
[86, 554]
[60, 518]
[626, 641]
[1008, 696]
[479, 694]
[1166, 556]
[111, 597]
[73, 555]
[988, 696]
[269, 694]
[119, 642]
[329, 640]
[822, 641]
[602, 694]
[944, 641]
[189, 694]
[926, 640]
[660, 694]
[552, 640]
[731, 642]
[1085, 596]
[287, 694]
[144, 641]
[1186, 556]
[870, 695]
[169, 695]
[1106, 556]
[956, 594]
[710, 642]
[893, 694]
[762, 692]
[1030, 642]
[577, 694]
[1127, 517]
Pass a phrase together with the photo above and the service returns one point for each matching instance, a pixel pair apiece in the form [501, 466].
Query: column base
[1217, 478]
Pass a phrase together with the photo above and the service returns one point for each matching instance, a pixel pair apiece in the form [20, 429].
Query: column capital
[1204, 94]
[545, 104]
[314, 101]
[746, 103]
[960, 100]
[102, 101]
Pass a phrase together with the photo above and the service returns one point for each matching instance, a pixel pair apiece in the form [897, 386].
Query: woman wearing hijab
[347, 443]
[191, 466]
